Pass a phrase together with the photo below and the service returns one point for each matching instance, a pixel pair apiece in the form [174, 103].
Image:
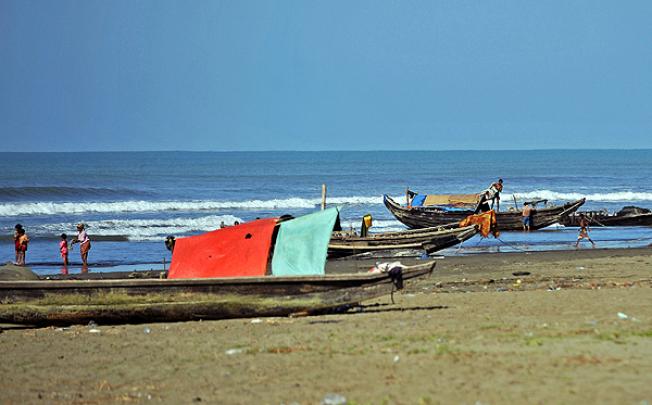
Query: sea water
[132, 200]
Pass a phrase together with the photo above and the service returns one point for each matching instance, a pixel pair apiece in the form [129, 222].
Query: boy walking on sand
[584, 231]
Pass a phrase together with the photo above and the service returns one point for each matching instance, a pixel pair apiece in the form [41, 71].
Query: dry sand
[577, 329]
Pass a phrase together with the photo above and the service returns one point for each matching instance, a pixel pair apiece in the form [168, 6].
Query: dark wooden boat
[63, 302]
[628, 216]
[429, 239]
[422, 217]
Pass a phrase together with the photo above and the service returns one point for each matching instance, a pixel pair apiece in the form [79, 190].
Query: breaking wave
[143, 229]
[618, 196]
[61, 208]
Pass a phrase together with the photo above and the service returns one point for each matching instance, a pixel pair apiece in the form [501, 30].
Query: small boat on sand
[137, 300]
[628, 216]
[428, 239]
[261, 268]
[416, 217]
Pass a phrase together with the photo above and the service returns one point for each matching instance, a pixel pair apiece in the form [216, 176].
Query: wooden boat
[63, 302]
[421, 217]
[628, 216]
[429, 239]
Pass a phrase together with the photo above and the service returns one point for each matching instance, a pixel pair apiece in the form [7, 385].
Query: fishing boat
[428, 239]
[105, 301]
[261, 268]
[628, 216]
[416, 217]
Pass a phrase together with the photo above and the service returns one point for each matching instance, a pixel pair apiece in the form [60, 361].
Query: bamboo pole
[323, 197]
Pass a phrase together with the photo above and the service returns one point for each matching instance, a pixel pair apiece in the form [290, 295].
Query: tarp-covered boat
[436, 215]
[628, 216]
[261, 268]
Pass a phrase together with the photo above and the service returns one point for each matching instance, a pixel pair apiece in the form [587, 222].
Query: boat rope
[510, 245]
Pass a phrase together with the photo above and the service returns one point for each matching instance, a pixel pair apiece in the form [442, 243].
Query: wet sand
[576, 329]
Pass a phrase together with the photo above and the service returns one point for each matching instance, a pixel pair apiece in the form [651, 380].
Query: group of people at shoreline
[492, 194]
[21, 242]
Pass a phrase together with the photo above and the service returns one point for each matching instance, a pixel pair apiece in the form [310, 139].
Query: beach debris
[257, 320]
[521, 273]
[622, 315]
[231, 352]
[333, 399]
[147, 330]
[579, 268]
[92, 327]
[397, 358]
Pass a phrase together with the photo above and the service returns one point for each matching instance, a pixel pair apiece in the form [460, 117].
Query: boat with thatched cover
[428, 239]
[628, 216]
[434, 215]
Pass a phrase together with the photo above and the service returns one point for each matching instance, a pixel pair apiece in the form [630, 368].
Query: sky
[122, 75]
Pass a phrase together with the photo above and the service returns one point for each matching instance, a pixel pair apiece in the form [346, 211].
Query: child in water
[63, 248]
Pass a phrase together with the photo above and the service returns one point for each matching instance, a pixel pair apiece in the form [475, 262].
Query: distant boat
[110, 301]
[428, 216]
[428, 239]
[628, 216]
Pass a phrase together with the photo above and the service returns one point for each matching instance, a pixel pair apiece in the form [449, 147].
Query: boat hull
[600, 219]
[421, 217]
[429, 239]
[64, 302]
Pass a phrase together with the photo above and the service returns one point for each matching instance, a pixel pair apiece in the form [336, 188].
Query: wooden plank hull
[429, 239]
[63, 302]
[601, 219]
[421, 217]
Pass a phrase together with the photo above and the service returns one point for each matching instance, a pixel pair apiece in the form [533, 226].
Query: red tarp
[486, 221]
[235, 251]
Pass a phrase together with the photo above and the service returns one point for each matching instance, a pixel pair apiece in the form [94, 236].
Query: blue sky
[324, 75]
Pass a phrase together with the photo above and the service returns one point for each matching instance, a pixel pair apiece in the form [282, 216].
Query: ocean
[132, 200]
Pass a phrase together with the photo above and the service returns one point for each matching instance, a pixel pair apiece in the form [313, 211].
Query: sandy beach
[542, 327]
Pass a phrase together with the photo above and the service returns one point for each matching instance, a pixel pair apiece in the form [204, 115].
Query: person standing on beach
[63, 249]
[527, 212]
[584, 231]
[17, 228]
[22, 242]
[84, 244]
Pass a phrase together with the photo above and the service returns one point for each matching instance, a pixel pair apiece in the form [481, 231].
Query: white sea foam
[144, 229]
[52, 208]
[378, 225]
[619, 196]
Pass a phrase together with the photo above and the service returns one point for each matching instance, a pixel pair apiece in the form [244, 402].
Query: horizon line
[328, 150]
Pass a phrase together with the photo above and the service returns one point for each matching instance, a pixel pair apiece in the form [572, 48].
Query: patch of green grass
[533, 341]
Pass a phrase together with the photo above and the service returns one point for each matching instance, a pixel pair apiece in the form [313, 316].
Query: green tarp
[302, 244]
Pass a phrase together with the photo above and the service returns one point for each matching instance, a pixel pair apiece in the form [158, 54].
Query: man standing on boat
[491, 194]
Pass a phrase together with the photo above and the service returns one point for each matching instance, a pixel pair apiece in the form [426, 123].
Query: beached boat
[427, 216]
[64, 302]
[266, 267]
[628, 216]
[428, 239]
